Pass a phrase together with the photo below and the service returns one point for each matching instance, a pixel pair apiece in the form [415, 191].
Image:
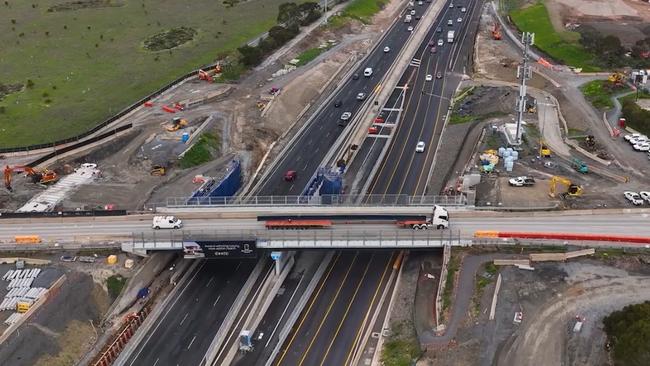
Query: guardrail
[324, 200]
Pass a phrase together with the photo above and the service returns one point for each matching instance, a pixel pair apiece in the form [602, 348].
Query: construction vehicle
[573, 190]
[496, 32]
[158, 170]
[580, 166]
[544, 150]
[177, 124]
[590, 141]
[617, 78]
[43, 177]
[210, 74]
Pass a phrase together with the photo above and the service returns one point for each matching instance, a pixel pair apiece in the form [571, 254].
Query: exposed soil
[6, 89]
[170, 39]
[84, 4]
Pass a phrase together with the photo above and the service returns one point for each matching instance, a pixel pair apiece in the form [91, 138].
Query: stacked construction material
[20, 291]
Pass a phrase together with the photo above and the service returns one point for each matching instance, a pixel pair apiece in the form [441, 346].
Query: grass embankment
[562, 46]
[115, 284]
[401, 347]
[310, 55]
[452, 268]
[363, 10]
[87, 64]
[202, 151]
[600, 93]
[482, 281]
[635, 116]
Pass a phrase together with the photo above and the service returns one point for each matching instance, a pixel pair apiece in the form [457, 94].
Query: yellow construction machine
[616, 78]
[573, 190]
[177, 124]
[544, 150]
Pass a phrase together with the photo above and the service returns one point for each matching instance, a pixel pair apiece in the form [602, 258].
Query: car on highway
[441, 42]
[290, 175]
[439, 75]
[373, 130]
[522, 181]
[166, 222]
[450, 22]
[409, 29]
[412, 12]
[432, 43]
[451, 5]
[346, 116]
[386, 49]
[367, 71]
[459, 20]
[420, 3]
[633, 197]
[433, 49]
[419, 148]
[645, 195]
[428, 77]
[361, 96]
[338, 103]
[463, 10]
[417, 17]
[438, 30]
[379, 119]
[355, 76]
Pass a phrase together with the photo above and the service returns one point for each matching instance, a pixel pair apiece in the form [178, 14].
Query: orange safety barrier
[271, 224]
[27, 239]
[486, 234]
[567, 236]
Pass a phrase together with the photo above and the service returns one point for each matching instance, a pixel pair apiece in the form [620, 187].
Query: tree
[268, 44]
[629, 333]
[250, 56]
[282, 34]
[288, 13]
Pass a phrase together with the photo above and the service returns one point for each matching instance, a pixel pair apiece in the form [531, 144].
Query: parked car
[631, 136]
[645, 195]
[522, 181]
[633, 197]
[419, 148]
[642, 146]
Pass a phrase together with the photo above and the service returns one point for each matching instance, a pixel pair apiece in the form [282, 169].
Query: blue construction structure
[325, 183]
[226, 187]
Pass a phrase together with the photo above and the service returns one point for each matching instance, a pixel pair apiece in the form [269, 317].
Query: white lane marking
[190, 345]
[155, 363]
[284, 311]
[185, 317]
[215, 301]
[209, 282]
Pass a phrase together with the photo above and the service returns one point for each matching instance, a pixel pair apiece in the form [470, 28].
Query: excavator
[573, 190]
[177, 124]
[496, 31]
[43, 177]
[616, 78]
[544, 150]
[210, 74]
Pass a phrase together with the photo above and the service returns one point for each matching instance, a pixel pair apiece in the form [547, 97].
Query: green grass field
[600, 92]
[562, 46]
[364, 9]
[91, 63]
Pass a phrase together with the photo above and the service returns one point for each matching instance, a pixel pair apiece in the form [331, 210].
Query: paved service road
[183, 333]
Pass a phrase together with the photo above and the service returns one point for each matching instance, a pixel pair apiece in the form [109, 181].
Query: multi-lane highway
[323, 130]
[426, 88]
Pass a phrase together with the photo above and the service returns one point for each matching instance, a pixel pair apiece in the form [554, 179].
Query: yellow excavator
[544, 150]
[177, 124]
[616, 78]
[573, 190]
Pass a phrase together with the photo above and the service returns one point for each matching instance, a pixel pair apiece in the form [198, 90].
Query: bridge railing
[324, 200]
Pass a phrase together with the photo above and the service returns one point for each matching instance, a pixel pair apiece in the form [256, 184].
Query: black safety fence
[85, 213]
[79, 144]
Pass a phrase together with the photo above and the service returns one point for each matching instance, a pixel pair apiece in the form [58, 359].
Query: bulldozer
[573, 190]
[177, 124]
[45, 176]
[496, 32]
[580, 166]
[158, 170]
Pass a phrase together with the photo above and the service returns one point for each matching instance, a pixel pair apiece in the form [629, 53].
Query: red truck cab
[290, 175]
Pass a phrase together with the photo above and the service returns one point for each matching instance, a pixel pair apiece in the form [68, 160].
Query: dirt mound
[169, 39]
[84, 4]
[487, 101]
[6, 89]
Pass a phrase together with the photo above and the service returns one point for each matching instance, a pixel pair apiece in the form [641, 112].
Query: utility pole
[523, 74]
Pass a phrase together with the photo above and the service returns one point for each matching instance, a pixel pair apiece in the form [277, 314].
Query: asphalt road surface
[183, 333]
[308, 151]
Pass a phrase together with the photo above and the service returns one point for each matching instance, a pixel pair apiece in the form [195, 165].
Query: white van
[367, 71]
[166, 222]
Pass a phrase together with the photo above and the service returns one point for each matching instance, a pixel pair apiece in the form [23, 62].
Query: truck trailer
[450, 36]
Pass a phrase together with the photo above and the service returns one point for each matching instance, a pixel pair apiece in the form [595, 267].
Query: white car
[631, 136]
[409, 29]
[642, 146]
[451, 5]
[361, 96]
[367, 72]
[459, 20]
[429, 77]
[463, 10]
[386, 49]
[412, 12]
[645, 195]
[633, 197]
[346, 116]
[635, 140]
[419, 148]
[441, 42]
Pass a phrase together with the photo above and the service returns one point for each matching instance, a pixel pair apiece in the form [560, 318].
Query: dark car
[355, 77]
[290, 175]
[418, 17]
[338, 103]
[438, 30]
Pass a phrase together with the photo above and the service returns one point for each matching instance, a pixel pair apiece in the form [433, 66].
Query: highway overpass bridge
[235, 230]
